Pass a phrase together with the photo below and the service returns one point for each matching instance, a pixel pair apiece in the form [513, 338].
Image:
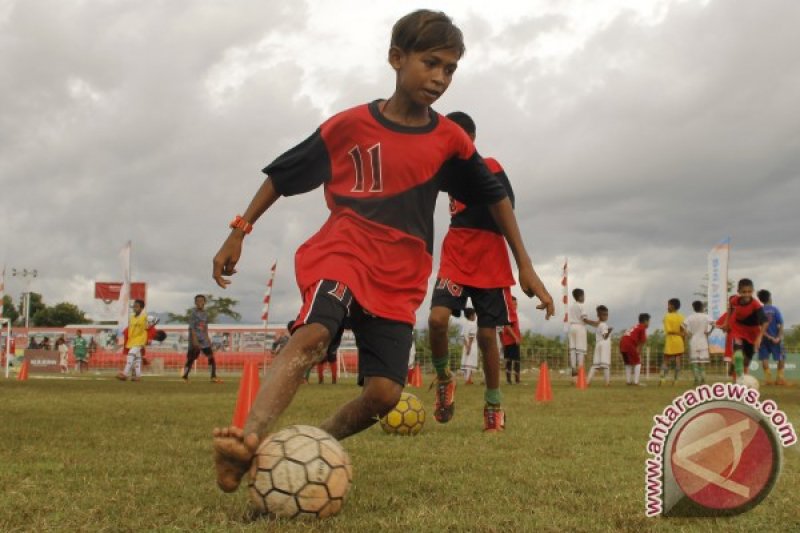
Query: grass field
[99, 455]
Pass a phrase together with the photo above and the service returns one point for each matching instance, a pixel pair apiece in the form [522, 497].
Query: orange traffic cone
[544, 392]
[581, 382]
[23, 371]
[248, 388]
[417, 376]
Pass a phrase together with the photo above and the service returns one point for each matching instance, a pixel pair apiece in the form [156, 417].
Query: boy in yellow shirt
[137, 339]
[674, 346]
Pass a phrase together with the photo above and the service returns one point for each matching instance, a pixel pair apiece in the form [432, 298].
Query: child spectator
[630, 346]
[698, 325]
[63, 354]
[80, 348]
[469, 353]
[772, 343]
[578, 320]
[674, 334]
[602, 347]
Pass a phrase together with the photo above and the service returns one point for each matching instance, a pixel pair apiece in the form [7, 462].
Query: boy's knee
[381, 398]
[439, 320]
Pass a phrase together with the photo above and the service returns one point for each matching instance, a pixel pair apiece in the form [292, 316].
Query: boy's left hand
[531, 285]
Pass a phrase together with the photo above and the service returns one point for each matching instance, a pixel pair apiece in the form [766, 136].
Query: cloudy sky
[637, 134]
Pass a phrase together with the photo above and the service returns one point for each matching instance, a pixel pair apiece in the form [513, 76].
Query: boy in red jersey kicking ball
[745, 324]
[474, 265]
[382, 165]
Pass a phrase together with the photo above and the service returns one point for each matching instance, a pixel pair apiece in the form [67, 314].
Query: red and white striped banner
[565, 294]
[268, 294]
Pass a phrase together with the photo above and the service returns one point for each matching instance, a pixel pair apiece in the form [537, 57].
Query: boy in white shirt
[578, 319]
[602, 346]
[469, 356]
[698, 325]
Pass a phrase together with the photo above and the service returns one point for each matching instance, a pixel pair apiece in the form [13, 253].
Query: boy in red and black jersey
[745, 324]
[474, 265]
[630, 348]
[382, 165]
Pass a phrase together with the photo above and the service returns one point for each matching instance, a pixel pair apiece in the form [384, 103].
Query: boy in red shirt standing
[745, 324]
[382, 165]
[630, 347]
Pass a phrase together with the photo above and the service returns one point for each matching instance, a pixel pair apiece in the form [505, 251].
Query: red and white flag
[565, 294]
[268, 294]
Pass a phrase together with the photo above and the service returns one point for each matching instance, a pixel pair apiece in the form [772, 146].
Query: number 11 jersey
[381, 180]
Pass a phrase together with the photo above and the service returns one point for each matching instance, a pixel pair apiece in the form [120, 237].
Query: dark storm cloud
[633, 155]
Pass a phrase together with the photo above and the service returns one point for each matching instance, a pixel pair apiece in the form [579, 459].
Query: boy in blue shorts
[382, 165]
[772, 343]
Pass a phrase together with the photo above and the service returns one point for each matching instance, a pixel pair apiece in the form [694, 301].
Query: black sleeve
[470, 182]
[506, 184]
[303, 168]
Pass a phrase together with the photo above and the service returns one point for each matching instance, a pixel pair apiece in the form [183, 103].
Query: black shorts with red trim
[383, 344]
[511, 352]
[493, 306]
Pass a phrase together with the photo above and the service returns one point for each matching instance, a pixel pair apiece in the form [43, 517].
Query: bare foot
[233, 453]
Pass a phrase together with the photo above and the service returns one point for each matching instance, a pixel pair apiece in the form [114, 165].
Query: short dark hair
[469, 312]
[697, 305]
[290, 325]
[643, 317]
[764, 296]
[463, 120]
[577, 293]
[675, 303]
[745, 282]
[140, 302]
[424, 30]
[602, 309]
[196, 296]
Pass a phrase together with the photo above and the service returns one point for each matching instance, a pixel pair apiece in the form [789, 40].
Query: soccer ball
[407, 417]
[300, 471]
[749, 381]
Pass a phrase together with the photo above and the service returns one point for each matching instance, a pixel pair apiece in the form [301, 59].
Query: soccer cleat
[122, 377]
[185, 379]
[444, 406]
[494, 418]
[216, 380]
[136, 379]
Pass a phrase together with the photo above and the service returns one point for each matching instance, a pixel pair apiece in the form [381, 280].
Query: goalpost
[6, 323]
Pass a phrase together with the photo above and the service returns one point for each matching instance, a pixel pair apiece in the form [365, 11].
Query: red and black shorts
[493, 306]
[383, 344]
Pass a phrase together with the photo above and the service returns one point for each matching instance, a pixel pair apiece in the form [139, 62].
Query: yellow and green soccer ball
[407, 417]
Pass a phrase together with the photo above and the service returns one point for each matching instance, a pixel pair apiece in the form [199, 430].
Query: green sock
[493, 396]
[696, 371]
[441, 366]
[738, 363]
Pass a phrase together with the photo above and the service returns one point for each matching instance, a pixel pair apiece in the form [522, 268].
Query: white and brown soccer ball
[407, 417]
[300, 472]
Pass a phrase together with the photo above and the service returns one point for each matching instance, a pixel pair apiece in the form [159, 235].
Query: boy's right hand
[227, 257]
